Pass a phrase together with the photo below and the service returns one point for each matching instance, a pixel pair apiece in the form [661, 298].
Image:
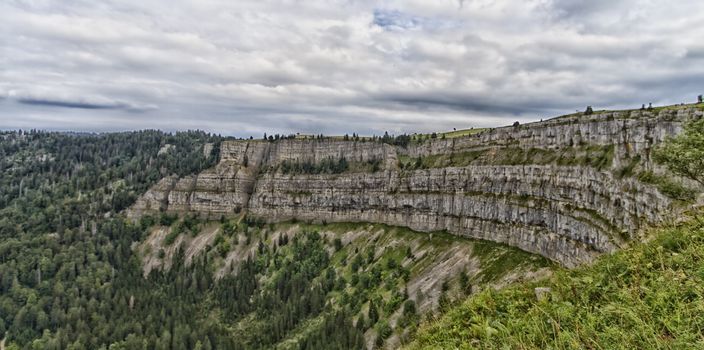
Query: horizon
[282, 67]
[378, 134]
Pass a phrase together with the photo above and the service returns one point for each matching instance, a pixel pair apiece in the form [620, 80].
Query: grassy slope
[646, 297]
[496, 261]
[599, 157]
[436, 257]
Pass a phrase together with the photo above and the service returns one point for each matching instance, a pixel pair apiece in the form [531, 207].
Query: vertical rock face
[316, 151]
[632, 132]
[569, 213]
[222, 190]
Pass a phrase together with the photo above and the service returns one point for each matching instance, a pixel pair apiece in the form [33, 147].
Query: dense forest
[67, 273]
[70, 279]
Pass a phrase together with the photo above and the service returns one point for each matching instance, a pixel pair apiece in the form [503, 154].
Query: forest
[69, 278]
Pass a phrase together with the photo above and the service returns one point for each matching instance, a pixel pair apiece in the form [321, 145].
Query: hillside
[402, 274]
[649, 296]
[568, 188]
[645, 296]
[76, 274]
[149, 240]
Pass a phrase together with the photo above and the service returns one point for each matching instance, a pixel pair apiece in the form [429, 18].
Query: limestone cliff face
[632, 132]
[568, 213]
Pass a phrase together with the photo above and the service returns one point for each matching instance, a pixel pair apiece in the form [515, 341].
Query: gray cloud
[82, 105]
[252, 66]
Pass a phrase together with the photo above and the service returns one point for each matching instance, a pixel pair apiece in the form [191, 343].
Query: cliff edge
[569, 188]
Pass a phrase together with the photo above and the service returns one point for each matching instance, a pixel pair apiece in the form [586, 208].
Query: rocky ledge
[567, 209]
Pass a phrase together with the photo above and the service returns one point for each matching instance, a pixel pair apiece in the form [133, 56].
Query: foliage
[401, 140]
[667, 186]
[68, 278]
[326, 166]
[599, 157]
[684, 154]
[646, 297]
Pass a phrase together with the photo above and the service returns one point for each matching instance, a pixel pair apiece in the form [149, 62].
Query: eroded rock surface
[568, 213]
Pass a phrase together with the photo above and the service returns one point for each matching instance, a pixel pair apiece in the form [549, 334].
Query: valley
[196, 241]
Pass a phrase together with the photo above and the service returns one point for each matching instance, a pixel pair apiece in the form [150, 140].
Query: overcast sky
[248, 67]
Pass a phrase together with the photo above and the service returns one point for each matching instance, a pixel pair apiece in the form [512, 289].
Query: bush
[667, 186]
[646, 297]
[383, 329]
[167, 219]
[684, 154]
[171, 237]
[337, 242]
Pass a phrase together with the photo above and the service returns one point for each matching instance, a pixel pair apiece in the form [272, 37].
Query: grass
[497, 260]
[650, 296]
[457, 133]
[656, 109]
[465, 132]
[678, 107]
[668, 186]
[600, 157]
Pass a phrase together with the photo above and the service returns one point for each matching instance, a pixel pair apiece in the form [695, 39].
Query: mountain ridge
[575, 191]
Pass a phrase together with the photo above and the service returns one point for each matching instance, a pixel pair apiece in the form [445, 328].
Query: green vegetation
[446, 135]
[70, 276]
[499, 259]
[668, 186]
[650, 108]
[684, 154]
[628, 169]
[648, 296]
[600, 157]
[698, 105]
[402, 140]
[190, 224]
[464, 132]
[645, 297]
[364, 284]
[326, 166]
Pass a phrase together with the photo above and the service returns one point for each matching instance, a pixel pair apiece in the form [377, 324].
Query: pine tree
[373, 314]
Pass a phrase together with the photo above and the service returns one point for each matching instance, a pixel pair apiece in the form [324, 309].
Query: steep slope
[402, 274]
[650, 296]
[567, 188]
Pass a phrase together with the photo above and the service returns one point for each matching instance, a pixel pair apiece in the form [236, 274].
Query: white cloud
[341, 66]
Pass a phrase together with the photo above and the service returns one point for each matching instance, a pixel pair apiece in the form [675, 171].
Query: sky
[246, 67]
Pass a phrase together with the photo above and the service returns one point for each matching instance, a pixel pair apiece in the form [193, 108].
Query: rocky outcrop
[633, 132]
[568, 213]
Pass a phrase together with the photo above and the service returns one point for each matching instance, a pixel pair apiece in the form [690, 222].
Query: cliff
[564, 188]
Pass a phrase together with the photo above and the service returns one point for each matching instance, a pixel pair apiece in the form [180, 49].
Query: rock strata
[568, 213]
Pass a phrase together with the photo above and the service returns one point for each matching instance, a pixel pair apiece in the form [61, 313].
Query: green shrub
[684, 154]
[667, 186]
[650, 296]
[171, 237]
[167, 219]
[383, 329]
